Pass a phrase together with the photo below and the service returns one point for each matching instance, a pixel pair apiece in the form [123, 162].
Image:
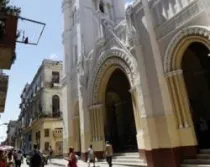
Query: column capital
[174, 73]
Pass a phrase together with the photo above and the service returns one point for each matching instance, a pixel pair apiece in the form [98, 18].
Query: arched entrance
[186, 66]
[196, 72]
[119, 124]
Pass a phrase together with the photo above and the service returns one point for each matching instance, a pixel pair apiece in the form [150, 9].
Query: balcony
[58, 133]
[8, 30]
[3, 90]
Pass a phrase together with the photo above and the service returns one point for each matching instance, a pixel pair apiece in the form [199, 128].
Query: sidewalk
[63, 163]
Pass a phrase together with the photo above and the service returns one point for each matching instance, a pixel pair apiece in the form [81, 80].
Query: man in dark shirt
[36, 158]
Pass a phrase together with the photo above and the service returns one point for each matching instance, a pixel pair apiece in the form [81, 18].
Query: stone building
[41, 112]
[138, 78]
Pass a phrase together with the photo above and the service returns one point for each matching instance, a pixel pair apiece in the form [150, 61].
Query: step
[204, 151]
[194, 165]
[125, 160]
[203, 156]
[127, 154]
[197, 161]
[126, 164]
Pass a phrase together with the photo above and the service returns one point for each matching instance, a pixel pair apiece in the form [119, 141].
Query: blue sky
[29, 58]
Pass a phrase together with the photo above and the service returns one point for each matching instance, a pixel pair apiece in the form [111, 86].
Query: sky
[29, 58]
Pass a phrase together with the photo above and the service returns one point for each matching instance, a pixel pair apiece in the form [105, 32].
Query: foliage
[9, 9]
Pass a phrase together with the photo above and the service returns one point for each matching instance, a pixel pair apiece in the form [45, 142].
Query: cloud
[53, 56]
[129, 2]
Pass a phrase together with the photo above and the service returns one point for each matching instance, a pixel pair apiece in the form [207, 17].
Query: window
[46, 146]
[56, 106]
[46, 132]
[101, 6]
[55, 77]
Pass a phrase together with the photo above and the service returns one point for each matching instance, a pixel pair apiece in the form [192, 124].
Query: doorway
[196, 71]
[120, 127]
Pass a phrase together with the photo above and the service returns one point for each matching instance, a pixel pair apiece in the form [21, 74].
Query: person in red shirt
[2, 159]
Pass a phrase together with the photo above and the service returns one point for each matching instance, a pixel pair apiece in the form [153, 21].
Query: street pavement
[49, 165]
[63, 163]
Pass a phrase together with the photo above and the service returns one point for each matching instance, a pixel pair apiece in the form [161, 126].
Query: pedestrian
[109, 153]
[2, 159]
[91, 156]
[50, 153]
[18, 159]
[36, 158]
[72, 159]
[10, 159]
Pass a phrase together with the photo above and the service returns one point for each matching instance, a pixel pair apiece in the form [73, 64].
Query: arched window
[101, 6]
[56, 106]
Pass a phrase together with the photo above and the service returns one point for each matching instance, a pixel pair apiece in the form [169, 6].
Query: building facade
[138, 78]
[8, 30]
[41, 112]
[11, 133]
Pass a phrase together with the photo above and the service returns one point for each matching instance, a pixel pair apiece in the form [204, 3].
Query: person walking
[72, 159]
[109, 153]
[18, 159]
[10, 159]
[36, 158]
[91, 156]
[2, 159]
[50, 153]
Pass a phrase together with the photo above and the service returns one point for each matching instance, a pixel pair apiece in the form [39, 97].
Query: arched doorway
[119, 127]
[196, 72]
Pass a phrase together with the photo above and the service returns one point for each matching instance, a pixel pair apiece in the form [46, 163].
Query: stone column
[97, 128]
[182, 111]
[180, 98]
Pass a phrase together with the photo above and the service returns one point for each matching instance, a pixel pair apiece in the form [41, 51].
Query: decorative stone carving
[180, 19]
[189, 31]
[117, 57]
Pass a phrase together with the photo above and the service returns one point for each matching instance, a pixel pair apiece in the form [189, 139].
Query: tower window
[101, 6]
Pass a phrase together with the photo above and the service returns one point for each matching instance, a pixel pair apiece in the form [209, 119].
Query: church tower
[82, 31]
[82, 27]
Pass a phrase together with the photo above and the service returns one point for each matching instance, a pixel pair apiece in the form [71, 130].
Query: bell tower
[82, 27]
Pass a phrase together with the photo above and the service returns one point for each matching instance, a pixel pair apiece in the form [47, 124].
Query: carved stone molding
[113, 57]
[174, 73]
[189, 31]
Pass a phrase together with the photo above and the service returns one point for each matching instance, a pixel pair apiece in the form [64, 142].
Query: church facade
[137, 78]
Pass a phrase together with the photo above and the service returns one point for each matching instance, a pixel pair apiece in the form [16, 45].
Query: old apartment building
[41, 111]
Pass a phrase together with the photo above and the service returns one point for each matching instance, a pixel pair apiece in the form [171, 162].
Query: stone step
[126, 160]
[127, 157]
[196, 161]
[118, 164]
[127, 154]
[204, 151]
[194, 165]
[203, 156]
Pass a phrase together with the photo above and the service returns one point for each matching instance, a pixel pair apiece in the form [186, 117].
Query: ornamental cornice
[202, 31]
